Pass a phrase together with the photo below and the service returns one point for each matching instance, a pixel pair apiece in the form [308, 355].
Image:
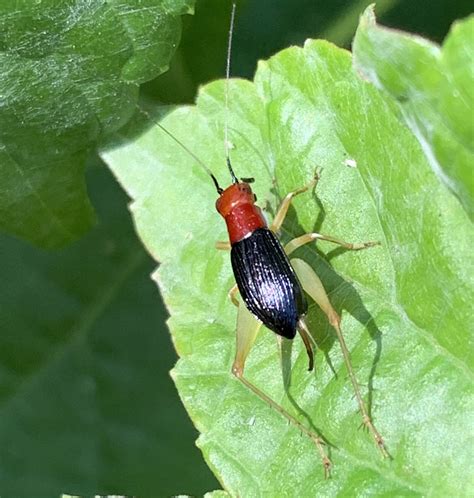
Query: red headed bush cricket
[272, 286]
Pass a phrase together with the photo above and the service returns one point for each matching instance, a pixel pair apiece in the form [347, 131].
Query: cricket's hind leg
[247, 330]
[314, 287]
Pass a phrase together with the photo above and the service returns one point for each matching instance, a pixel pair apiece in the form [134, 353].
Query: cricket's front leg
[313, 286]
[285, 205]
[247, 330]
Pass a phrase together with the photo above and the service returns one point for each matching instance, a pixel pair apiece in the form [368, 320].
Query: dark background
[102, 316]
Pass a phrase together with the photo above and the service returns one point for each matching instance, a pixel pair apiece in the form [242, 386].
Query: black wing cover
[267, 282]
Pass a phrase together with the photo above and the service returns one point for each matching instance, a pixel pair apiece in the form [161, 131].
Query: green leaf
[434, 87]
[406, 305]
[86, 402]
[216, 494]
[70, 75]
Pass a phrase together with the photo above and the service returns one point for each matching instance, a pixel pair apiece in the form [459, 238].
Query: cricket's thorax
[237, 206]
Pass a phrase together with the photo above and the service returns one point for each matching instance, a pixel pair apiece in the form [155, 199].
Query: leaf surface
[434, 87]
[70, 75]
[405, 304]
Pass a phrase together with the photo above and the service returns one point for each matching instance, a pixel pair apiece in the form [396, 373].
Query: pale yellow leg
[247, 329]
[283, 209]
[310, 237]
[223, 245]
[314, 287]
[232, 294]
[306, 336]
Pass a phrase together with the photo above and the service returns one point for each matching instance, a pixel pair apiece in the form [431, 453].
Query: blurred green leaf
[200, 57]
[406, 305]
[70, 75]
[435, 90]
[86, 402]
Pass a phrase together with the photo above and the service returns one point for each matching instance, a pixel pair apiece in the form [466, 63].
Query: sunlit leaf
[434, 87]
[406, 305]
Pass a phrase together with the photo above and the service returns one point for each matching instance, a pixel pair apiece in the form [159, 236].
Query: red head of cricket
[236, 205]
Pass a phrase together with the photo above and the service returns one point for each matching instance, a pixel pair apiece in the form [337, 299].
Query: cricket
[273, 286]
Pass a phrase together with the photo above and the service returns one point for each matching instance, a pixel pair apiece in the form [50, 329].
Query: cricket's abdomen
[267, 282]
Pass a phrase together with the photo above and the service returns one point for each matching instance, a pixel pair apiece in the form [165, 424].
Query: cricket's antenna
[193, 155]
[227, 77]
